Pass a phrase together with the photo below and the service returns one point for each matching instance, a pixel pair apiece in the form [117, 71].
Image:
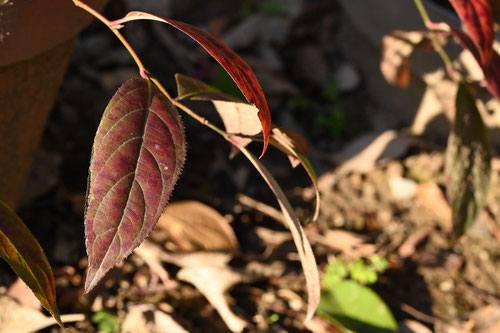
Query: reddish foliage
[138, 154]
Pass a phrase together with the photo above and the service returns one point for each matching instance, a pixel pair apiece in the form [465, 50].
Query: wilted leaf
[137, 157]
[296, 147]
[303, 247]
[236, 67]
[357, 308]
[397, 48]
[477, 16]
[22, 251]
[194, 226]
[467, 162]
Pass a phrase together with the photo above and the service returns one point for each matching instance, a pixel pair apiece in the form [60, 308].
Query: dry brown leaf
[486, 319]
[17, 318]
[433, 198]
[339, 240]
[397, 48]
[213, 283]
[23, 294]
[362, 153]
[194, 226]
[410, 245]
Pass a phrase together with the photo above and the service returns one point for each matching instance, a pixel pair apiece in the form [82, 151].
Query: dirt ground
[392, 205]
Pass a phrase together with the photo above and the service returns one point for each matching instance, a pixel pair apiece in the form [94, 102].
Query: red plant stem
[142, 69]
[114, 26]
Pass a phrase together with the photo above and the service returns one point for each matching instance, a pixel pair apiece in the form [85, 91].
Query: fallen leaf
[433, 198]
[362, 153]
[23, 294]
[194, 226]
[23, 253]
[468, 163]
[213, 282]
[21, 319]
[397, 48]
[137, 157]
[236, 67]
[410, 245]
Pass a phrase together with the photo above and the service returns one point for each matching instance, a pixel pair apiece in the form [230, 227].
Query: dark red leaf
[138, 154]
[477, 16]
[236, 67]
[22, 251]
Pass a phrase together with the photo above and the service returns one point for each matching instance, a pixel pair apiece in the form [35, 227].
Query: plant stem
[142, 69]
[144, 72]
[435, 40]
[190, 112]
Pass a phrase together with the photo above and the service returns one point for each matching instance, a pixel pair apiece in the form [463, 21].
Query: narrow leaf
[477, 16]
[303, 247]
[468, 162]
[22, 251]
[236, 67]
[137, 157]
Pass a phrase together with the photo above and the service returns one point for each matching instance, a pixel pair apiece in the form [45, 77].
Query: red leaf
[236, 67]
[22, 251]
[138, 154]
[477, 17]
[491, 70]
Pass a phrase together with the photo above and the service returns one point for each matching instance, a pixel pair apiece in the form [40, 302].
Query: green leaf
[357, 308]
[361, 272]
[468, 164]
[24, 254]
[335, 272]
[106, 322]
[378, 263]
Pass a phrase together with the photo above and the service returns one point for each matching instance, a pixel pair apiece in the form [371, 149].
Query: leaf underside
[23, 253]
[137, 157]
[468, 163]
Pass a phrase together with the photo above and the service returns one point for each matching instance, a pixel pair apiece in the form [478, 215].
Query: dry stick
[418, 314]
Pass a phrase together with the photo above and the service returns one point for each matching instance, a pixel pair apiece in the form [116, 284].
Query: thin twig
[418, 314]
[438, 46]
[114, 26]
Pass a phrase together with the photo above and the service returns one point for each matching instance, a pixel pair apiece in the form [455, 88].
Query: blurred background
[382, 237]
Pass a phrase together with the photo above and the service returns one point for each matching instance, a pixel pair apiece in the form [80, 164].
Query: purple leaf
[137, 157]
